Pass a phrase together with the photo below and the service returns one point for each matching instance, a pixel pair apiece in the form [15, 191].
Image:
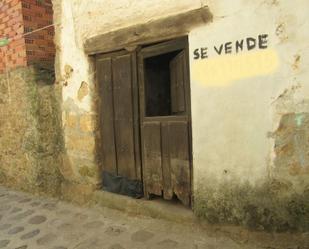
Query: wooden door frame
[176, 43]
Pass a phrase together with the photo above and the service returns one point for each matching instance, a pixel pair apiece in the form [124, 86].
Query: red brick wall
[39, 45]
[19, 17]
[11, 25]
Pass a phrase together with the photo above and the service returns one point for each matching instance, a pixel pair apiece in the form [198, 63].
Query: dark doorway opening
[158, 84]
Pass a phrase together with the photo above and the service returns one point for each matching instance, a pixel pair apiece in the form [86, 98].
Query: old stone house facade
[206, 101]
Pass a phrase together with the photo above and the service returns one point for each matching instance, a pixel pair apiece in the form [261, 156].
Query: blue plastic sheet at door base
[122, 185]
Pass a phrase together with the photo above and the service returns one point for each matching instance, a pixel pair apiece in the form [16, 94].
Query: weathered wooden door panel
[104, 74]
[179, 155]
[168, 192]
[177, 68]
[167, 159]
[123, 108]
[153, 179]
[116, 74]
[179, 135]
[166, 139]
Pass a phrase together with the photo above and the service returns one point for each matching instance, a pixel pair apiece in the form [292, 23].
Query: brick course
[18, 17]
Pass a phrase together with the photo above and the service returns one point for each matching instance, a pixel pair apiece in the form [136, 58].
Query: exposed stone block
[80, 142]
[87, 123]
[71, 121]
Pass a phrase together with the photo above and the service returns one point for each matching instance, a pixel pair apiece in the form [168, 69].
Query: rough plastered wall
[249, 107]
[30, 131]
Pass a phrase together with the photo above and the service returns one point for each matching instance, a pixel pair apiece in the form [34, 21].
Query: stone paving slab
[31, 222]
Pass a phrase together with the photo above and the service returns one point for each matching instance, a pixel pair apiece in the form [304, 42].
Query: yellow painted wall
[224, 70]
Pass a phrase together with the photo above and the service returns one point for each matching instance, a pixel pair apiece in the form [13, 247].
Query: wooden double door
[145, 119]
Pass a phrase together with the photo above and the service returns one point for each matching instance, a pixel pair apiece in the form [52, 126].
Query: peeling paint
[292, 144]
[83, 91]
[68, 70]
[299, 118]
[296, 62]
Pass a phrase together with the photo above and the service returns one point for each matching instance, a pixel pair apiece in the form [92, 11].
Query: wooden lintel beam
[152, 31]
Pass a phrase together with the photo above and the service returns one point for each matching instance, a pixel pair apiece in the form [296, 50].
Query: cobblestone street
[30, 222]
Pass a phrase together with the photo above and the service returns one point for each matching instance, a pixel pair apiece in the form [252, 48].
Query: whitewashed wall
[235, 101]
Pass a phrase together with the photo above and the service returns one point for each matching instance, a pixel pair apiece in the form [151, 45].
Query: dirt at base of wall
[273, 206]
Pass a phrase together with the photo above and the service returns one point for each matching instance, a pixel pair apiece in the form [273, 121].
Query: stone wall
[30, 131]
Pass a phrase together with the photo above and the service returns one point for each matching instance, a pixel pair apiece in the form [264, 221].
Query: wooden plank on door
[104, 76]
[177, 71]
[123, 108]
[181, 81]
[152, 167]
[173, 78]
[166, 162]
[136, 123]
[180, 160]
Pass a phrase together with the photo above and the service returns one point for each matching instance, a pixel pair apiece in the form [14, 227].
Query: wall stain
[296, 62]
[271, 2]
[281, 32]
[286, 95]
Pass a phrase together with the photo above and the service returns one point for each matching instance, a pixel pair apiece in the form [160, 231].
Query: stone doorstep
[157, 208]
